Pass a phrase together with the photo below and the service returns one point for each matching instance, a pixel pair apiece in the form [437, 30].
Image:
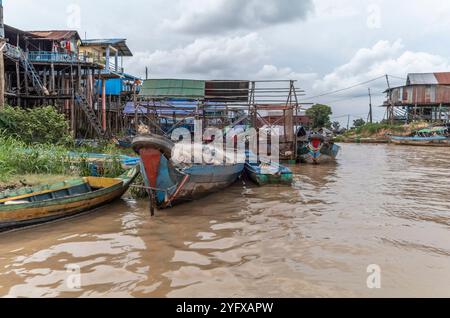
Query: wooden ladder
[16, 54]
[90, 114]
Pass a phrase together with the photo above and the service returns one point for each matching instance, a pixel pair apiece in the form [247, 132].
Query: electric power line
[397, 77]
[344, 89]
[352, 98]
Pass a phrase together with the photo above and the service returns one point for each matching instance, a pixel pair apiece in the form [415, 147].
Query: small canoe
[97, 162]
[124, 143]
[30, 206]
[172, 184]
[434, 141]
[126, 161]
[265, 173]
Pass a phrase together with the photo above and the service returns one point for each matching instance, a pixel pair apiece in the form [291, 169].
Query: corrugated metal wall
[421, 94]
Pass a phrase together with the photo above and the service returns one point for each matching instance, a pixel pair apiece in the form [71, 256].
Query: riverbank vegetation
[379, 131]
[35, 148]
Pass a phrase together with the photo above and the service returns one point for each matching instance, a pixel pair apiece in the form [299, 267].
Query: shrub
[37, 125]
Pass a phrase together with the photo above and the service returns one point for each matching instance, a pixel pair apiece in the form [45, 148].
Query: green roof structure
[173, 89]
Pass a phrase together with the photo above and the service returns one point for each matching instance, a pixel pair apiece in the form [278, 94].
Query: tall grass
[16, 157]
[373, 129]
[19, 158]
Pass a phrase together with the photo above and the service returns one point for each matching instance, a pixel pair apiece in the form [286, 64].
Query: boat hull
[421, 141]
[326, 154]
[170, 185]
[282, 175]
[27, 214]
[206, 180]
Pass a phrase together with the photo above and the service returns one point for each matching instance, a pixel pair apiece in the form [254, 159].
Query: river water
[381, 204]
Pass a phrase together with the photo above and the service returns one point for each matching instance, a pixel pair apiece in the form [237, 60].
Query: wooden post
[370, 107]
[390, 112]
[18, 83]
[104, 105]
[108, 55]
[52, 78]
[2, 74]
[79, 79]
[289, 117]
[116, 61]
[136, 124]
[2, 61]
[72, 106]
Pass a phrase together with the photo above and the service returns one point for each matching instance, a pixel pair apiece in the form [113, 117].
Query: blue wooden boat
[171, 184]
[434, 141]
[317, 150]
[124, 143]
[434, 137]
[268, 173]
[127, 161]
[96, 161]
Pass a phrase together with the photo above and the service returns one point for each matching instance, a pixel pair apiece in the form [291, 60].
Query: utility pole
[2, 61]
[390, 112]
[370, 107]
[146, 73]
[348, 123]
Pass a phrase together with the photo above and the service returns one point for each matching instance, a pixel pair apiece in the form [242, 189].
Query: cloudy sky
[326, 45]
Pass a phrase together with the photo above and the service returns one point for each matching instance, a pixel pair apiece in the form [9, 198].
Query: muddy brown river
[381, 205]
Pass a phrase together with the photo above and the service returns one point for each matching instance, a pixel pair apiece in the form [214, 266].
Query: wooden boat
[267, 173]
[435, 141]
[124, 143]
[263, 174]
[435, 137]
[172, 184]
[97, 162]
[29, 206]
[317, 150]
[126, 161]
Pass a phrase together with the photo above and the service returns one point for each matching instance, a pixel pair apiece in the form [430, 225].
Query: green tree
[336, 126]
[359, 123]
[320, 116]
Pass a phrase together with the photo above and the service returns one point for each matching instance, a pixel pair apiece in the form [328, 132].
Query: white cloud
[383, 58]
[331, 9]
[272, 72]
[214, 57]
[206, 17]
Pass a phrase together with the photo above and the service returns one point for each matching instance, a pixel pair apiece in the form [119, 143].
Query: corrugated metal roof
[15, 30]
[443, 78]
[55, 35]
[119, 44]
[421, 79]
[231, 91]
[173, 88]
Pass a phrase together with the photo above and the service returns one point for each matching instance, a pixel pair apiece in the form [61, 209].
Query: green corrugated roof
[173, 88]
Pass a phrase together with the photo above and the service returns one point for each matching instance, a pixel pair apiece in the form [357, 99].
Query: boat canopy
[433, 130]
[425, 131]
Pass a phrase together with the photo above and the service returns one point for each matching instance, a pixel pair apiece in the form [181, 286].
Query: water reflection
[380, 205]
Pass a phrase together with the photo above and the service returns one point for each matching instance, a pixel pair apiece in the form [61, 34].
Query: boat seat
[16, 202]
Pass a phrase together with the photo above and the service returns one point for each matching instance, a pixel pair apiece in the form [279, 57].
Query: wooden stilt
[19, 91]
[104, 104]
[2, 75]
